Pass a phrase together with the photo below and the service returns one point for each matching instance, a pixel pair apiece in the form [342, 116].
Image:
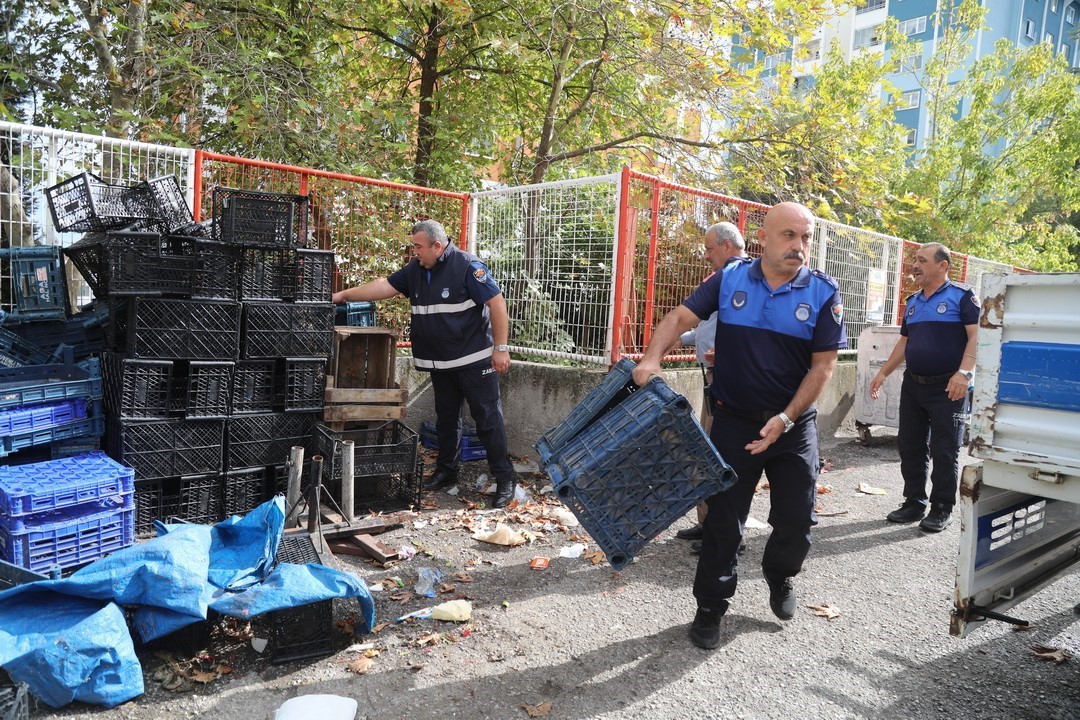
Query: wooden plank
[366, 525]
[348, 548]
[350, 413]
[376, 549]
[364, 359]
[353, 396]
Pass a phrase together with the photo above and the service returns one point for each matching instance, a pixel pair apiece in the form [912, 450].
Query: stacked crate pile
[216, 341]
[49, 405]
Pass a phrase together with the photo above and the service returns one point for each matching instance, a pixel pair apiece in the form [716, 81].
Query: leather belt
[761, 416]
[930, 379]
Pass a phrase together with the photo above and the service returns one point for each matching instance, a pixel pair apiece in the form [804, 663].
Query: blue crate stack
[216, 337]
[630, 461]
[65, 513]
[470, 447]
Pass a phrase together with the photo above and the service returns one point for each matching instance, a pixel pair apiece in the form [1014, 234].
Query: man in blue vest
[937, 340]
[778, 331]
[459, 332]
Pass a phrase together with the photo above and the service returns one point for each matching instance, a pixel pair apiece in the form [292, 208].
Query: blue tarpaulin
[68, 638]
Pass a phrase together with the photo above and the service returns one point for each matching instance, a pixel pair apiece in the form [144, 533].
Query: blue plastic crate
[47, 383]
[37, 284]
[41, 417]
[68, 482]
[637, 469]
[93, 426]
[17, 352]
[616, 387]
[470, 446]
[67, 540]
[356, 314]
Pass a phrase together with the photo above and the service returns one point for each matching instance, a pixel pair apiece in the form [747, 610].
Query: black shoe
[937, 519]
[504, 492]
[742, 547]
[691, 533]
[695, 547]
[705, 630]
[439, 479]
[910, 511]
[782, 598]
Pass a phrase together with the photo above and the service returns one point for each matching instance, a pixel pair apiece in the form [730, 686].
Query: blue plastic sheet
[84, 651]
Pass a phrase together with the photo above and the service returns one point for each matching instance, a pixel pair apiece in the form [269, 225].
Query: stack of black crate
[201, 377]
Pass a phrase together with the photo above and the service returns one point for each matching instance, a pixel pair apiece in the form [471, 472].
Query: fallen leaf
[540, 710]
[372, 653]
[1023, 628]
[347, 626]
[404, 596]
[462, 577]
[444, 587]
[596, 556]
[417, 667]
[1045, 652]
[823, 489]
[501, 535]
[825, 610]
[429, 639]
[203, 677]
[379, 627]
[870, 489]
[224, 669]
[361, 665]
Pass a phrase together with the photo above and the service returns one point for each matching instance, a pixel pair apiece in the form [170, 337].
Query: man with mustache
[937, 339]
[779, 327]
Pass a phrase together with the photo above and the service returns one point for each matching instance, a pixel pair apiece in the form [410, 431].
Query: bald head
[785, 237]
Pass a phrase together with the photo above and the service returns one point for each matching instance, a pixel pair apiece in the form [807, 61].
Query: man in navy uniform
[459, 333]
[778, 331]
[937, 339]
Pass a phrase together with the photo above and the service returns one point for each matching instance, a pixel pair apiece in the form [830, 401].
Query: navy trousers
[931, 428]
[479, 386]
[792, 466]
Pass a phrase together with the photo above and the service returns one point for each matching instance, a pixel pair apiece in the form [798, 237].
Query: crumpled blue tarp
[68, 639]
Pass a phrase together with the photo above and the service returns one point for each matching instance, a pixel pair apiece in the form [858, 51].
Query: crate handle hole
[564, 491]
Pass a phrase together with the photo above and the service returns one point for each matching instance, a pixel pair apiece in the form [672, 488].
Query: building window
[1049, 39]
[771, 61]
[909, 100]
[869, 5]
[1070, 15]
[867, 36]
[912, 63]
[811, 51]
[1065, 51]
[914, 26]
[1053, 5]
[1029, 29]
[910, 140]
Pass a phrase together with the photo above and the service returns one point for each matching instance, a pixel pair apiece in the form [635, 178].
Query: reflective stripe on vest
[451, 364]
[443, 308]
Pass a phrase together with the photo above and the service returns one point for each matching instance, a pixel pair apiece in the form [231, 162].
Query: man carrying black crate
[778, 330]
[459, 334]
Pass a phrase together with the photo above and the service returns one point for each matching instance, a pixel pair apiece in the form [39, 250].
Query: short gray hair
[941, 253]
[725, 231]
[433, 229]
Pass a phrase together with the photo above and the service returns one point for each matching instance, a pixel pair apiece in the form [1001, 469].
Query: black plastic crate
[147, 263]
[301, 632]
[169, 203]
[137, 389]
[268, 273]
[217, 271]
[386, 465]
[314, 276]
[167, 448]
[247, 488]
[171, 329]
[253, 389]
[52, 336]
[287, 330]
[14, 702]
[304, 382]
[195, 499]
[267, 439]
[281, 385]
[86, 203]
[32, 285]
[206, 388]
[251, 217]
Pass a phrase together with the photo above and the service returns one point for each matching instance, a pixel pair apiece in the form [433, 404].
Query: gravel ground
[578, 640]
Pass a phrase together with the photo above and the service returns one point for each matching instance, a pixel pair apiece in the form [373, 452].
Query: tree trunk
[429, 75]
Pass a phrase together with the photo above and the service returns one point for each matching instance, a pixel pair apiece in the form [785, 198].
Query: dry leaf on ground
[596, 556]
[825, 610]
[1044, 652]
[867, 489]
[361, 665]
[462, 577]
[540, 710]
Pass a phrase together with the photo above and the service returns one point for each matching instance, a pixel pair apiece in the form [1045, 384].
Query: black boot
[439, 479]
[504, 491]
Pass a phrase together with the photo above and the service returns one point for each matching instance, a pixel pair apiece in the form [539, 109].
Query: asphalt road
[601, 644]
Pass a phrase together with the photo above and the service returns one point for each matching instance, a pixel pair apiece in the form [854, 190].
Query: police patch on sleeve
[975, 299]
[480, 274]
[838, 313]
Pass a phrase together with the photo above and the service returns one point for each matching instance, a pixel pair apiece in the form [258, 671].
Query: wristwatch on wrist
[788, 422]
[967, 373]
[502, 348]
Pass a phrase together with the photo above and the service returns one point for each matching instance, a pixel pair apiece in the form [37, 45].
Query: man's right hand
[875, 385]
[645, 370]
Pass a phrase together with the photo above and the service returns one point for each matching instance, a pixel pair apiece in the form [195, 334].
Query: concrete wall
[538, 397]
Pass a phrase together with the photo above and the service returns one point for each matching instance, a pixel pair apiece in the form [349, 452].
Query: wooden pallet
[360, 386]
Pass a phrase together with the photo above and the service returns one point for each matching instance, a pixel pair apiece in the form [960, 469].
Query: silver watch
[502, 348]
[788, 422]
[967, 373]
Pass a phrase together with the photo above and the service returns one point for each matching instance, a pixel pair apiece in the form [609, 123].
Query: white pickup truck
[1020, 506]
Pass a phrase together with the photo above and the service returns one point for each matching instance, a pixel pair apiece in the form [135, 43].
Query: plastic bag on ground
[323, 707]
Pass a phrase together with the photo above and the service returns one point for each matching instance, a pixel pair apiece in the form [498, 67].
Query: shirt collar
[801, 279]
[926, 298]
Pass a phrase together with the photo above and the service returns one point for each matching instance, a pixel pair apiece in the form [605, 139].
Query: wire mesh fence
[551, 247]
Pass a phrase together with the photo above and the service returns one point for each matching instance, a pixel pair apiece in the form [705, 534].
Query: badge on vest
[738, 300]
[911, 310]
[445, 293]
[480, 275]
[941, 308]
[802, 312]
